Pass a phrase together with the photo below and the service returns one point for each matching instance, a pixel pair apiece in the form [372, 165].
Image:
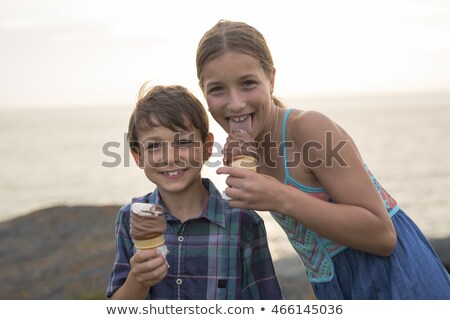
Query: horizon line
[345, 96]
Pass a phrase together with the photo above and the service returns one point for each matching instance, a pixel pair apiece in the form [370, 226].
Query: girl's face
[238, 93]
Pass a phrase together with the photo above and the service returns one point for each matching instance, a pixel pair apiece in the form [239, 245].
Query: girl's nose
[236, 103]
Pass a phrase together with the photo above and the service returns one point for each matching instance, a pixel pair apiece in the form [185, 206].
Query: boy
[215, 251]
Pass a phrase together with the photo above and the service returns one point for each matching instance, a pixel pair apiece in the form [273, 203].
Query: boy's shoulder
[244, 213]
[219, 210]
[249, 221]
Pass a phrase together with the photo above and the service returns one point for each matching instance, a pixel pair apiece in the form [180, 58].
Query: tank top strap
[283, 143]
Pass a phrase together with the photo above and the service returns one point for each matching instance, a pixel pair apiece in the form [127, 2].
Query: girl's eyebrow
[217, 82]
[212, 84]
[246, 76]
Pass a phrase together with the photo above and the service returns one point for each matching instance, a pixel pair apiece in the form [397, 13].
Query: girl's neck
[188, 203]
[269, 140]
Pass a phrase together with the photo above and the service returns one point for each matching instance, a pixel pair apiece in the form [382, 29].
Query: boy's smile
[173, 174]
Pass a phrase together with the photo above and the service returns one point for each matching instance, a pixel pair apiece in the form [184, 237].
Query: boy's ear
[136, 157]
[207, 147]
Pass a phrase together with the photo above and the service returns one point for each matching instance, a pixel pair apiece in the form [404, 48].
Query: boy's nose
[170, 155]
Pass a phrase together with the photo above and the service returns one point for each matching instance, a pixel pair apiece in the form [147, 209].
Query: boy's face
[172, 160]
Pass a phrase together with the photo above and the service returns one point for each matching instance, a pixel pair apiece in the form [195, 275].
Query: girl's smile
[244, 122]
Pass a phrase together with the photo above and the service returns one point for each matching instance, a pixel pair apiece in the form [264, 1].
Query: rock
[68, 252]
[442, 248]
[57, 253]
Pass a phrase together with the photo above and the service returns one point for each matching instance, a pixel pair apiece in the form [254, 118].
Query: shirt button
[180, 238]
[179, 281]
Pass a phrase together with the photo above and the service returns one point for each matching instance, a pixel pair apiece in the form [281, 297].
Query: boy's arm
[148, 267]
[131, 290]
[259, 278]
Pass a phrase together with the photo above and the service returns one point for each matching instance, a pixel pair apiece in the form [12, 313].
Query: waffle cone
[245, 162]
[149, 243]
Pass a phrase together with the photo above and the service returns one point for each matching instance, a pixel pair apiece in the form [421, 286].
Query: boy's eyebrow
[182, 133]
[158, 138]
[152, 138]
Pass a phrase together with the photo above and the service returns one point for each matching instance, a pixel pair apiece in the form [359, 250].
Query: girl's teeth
[240, 119]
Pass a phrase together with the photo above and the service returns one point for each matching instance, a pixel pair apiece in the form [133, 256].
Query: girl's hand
[148, 267]
[239, 143]
[251, 190]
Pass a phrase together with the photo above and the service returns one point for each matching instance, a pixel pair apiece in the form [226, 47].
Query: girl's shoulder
[309, 125]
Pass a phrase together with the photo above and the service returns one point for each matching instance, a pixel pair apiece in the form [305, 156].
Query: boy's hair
[173, 107]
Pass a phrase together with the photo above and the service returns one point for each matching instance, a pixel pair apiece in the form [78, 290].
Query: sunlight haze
[83, 53]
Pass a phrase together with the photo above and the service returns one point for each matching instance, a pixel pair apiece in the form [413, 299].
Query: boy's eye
[153, 146]
[183, 142]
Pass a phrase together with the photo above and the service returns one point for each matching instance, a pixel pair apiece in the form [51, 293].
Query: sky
[84, 53]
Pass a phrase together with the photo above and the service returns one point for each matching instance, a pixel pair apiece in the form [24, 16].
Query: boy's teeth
[173, 173]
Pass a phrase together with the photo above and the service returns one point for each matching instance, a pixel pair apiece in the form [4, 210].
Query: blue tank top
[315, 251]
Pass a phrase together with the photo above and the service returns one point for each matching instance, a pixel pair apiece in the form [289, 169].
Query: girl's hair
[173, 107]
[233, 36]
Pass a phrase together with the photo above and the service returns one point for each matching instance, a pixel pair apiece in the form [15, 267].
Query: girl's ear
[136, 157]
[272, 80]
[207, 147]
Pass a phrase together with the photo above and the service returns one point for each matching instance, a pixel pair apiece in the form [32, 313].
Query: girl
[353, 238]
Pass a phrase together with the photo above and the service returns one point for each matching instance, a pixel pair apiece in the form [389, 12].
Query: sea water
[80, 156]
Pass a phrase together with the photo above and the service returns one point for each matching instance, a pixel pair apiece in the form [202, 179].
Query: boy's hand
[148, 267]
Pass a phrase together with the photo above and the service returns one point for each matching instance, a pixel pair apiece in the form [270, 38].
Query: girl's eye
[248, 83]
[216, 89]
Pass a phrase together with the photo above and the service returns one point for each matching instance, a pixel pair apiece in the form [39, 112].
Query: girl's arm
[357, 219]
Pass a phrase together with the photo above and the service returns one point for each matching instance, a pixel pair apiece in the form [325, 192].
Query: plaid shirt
[222, 254]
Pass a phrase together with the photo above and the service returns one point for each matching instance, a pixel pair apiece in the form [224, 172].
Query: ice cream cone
[149, 243]
[245, 162]
[156, 241]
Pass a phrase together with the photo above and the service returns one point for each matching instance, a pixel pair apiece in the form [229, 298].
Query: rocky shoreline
[67, 252]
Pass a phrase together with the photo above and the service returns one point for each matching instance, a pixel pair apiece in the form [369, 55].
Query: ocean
[79, 156]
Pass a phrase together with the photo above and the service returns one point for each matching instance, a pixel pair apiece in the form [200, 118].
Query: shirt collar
[214, 211]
